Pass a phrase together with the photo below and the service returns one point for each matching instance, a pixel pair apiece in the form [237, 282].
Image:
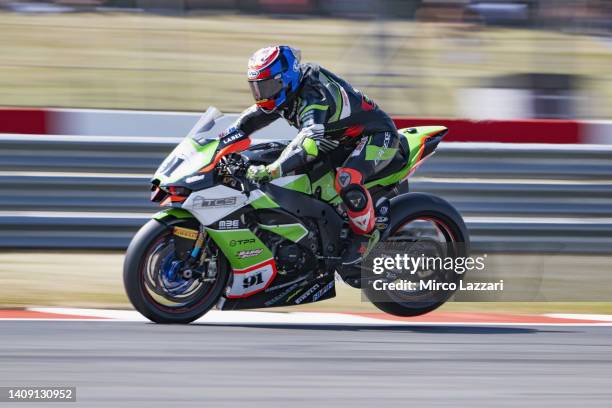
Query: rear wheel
[156, 281]
[434, 233]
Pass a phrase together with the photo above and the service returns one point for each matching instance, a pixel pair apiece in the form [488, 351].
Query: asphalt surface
[140, 364]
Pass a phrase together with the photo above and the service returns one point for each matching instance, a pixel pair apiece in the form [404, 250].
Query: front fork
[200, 263]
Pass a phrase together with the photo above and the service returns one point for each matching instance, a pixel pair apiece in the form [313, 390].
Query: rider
[329, 113]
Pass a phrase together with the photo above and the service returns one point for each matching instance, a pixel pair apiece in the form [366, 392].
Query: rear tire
[136, 289]
[405, 209]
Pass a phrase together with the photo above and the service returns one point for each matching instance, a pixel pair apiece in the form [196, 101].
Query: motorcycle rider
[329, 113]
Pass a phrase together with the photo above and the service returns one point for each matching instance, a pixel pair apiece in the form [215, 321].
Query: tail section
[422, 141]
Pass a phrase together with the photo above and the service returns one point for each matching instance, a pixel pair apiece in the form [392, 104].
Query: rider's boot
[360, 245]
[362, 222]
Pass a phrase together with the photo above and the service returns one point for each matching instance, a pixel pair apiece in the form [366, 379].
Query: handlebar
[235, 166]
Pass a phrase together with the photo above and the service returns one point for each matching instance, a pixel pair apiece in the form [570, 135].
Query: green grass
[152, 62]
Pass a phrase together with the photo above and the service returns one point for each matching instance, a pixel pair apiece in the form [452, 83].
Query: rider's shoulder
[312, 87]
[310, 72]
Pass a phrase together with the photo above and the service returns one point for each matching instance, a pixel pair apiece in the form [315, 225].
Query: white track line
[576, 316]
[223, 317]
[302, 318]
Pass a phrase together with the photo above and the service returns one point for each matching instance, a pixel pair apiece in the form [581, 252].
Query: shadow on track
[450, 329]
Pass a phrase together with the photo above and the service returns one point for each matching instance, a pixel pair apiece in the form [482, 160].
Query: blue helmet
[274, 76]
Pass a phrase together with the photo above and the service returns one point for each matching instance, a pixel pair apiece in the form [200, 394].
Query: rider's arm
[310, 140]
[251, 120]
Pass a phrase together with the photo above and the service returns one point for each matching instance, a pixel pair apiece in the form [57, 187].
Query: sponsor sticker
[229, 224]
[185, 233]
[214, 202]
[252, 74]
[193, 179]
[250, 253]
[232, 138]
[247, 241]
[385, 145]
[281, 295]
[305, 295]
[322, 291]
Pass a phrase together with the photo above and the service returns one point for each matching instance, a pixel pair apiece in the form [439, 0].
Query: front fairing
[182, 167]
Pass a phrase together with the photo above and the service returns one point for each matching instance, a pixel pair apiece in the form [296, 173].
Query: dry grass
[155, 62]
[93, 279]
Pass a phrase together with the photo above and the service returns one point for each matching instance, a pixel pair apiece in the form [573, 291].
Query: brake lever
[246, 185]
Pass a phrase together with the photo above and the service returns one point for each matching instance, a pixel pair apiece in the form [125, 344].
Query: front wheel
[155, 280]
[425, 226]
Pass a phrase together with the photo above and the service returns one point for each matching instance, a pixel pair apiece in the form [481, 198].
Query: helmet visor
[266, 88]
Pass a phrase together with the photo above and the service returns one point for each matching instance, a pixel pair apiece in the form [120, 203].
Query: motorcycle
[222, 240]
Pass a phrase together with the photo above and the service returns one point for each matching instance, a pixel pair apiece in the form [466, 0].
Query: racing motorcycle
[222, 240]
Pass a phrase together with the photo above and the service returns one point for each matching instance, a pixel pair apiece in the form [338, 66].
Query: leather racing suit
[329, 112]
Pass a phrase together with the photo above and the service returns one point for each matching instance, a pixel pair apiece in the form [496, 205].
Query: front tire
[156, 236]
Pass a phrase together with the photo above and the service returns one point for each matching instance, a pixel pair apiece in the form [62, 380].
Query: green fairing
[206, 152]
[292, 232]
[264, 202]
[233, 243]
[416, 142]
[173, 212]
[326, 183]
[301, 184]
[208, 148]
[336, 200]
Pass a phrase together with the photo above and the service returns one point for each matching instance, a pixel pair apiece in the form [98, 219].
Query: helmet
[274, 76]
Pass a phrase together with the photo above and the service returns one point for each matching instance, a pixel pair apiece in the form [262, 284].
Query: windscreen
[196, 150]
[208, 127]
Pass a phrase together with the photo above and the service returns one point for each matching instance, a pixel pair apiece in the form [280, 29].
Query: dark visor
[266, 89]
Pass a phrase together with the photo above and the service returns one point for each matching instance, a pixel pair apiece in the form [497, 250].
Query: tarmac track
[231, 365]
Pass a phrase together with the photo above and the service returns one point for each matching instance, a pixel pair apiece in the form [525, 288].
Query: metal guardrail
[113, 154]
[69, 191]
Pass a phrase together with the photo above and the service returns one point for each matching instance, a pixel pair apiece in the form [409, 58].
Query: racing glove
[263, 173]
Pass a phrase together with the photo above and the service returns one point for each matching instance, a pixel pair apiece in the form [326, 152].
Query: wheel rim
[433, 237]
[162, 283]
